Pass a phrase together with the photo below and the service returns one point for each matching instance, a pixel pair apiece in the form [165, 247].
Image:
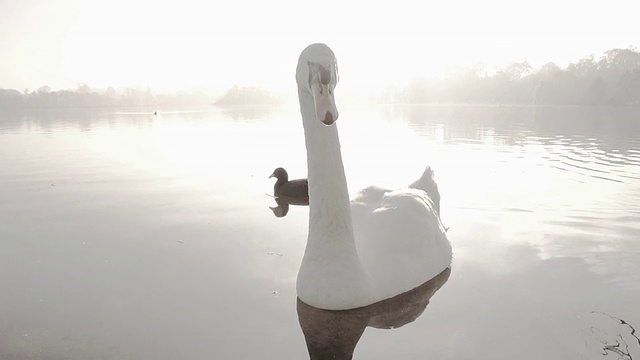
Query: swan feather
[381, 244]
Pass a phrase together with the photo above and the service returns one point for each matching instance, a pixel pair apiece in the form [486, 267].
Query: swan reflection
[333, 334]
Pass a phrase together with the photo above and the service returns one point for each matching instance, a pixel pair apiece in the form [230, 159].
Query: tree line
[614, 79]
[84, 96]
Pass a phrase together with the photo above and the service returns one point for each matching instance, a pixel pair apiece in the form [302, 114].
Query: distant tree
[629, 88]
[561, 89]
[417, 91]
[586, 68]
[463, 84]
[613, 66]
[83, 89]
[549, 70]
[516, 71]
[390, 94]
[110, 96]
[11, 99]
[621, 59]
[247, 95]
[595, 93]
[511, 84]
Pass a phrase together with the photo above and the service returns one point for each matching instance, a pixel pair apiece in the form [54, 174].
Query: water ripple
[586, 157]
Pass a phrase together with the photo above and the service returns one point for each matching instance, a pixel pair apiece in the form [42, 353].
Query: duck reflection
[283, 204]
[288, 192]
[334, 334]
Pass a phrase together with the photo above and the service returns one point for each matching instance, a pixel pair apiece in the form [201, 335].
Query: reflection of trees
[502, 125]
[609, 125]
[509, 125]
[614, 79]
[250, 112]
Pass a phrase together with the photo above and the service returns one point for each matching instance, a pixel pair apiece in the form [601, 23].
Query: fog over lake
[129, 235]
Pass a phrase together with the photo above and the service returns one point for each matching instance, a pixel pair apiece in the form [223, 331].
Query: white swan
[384, 242]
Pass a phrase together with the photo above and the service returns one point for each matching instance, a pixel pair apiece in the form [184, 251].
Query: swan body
[384, 242]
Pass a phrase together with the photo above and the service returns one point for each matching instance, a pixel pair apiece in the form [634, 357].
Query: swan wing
[399, 237]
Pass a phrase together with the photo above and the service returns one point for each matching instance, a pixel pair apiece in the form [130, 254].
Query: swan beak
[325, 102]
[328, 119]
[326, 106]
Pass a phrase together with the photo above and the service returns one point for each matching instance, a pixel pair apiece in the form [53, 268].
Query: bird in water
[382, 243]
[295, 189]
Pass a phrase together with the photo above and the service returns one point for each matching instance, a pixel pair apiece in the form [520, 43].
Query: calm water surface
[125, 235]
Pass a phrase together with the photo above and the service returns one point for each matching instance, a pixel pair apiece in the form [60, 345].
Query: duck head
[280, 174]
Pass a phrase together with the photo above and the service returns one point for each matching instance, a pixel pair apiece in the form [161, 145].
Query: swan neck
[329, 213]
[331, 275]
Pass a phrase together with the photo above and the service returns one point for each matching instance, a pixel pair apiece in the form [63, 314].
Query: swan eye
[321, 91]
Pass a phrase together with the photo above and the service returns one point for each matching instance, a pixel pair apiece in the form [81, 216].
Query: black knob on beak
[328, 119]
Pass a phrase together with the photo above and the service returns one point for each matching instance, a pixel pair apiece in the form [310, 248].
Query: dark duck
[294, 189]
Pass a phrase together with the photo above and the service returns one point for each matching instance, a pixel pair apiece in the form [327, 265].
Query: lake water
[125, 235]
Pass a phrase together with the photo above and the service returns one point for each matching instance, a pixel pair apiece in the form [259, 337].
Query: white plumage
[381, 244]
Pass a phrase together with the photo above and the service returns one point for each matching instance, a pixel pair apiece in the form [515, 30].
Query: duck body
[384, 242]
[294, 189]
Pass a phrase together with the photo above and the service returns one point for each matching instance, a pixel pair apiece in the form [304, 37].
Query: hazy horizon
[447, 72]
[176, 45]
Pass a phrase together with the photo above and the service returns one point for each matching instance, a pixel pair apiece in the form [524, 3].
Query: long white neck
[331, 275]
[330, 212]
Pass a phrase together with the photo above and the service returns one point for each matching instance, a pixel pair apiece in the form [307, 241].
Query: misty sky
[174, 44]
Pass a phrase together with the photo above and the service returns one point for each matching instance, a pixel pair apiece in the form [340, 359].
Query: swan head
[317, 74]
